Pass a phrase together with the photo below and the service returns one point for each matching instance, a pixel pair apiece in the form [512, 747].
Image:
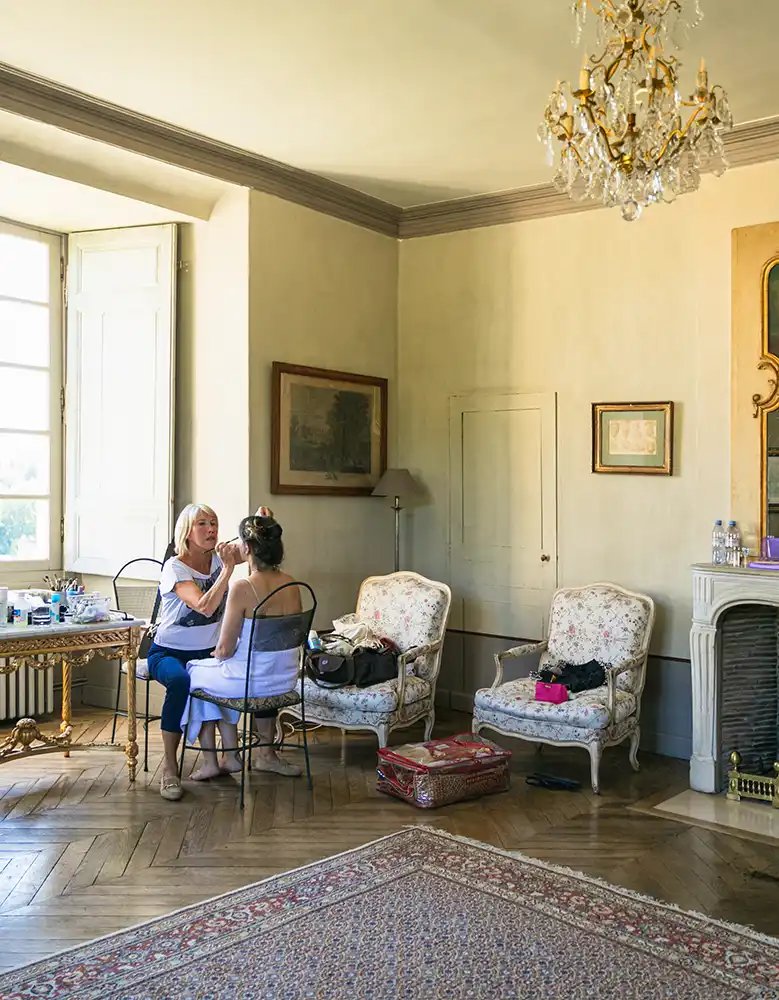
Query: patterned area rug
[419, 914]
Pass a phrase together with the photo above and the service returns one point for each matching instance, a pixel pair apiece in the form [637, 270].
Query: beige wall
[323, 294]
[594, 309]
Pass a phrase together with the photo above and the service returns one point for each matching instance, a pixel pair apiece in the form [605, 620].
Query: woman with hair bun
[224, 673]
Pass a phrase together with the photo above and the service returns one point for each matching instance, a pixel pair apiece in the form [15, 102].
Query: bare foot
[231, 765]
[205, 772]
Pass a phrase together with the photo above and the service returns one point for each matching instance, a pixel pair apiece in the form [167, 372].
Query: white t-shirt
[179, 626]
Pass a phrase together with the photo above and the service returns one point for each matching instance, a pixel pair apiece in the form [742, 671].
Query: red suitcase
[442, 771]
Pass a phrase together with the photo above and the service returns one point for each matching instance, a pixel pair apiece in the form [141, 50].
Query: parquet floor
[83, 854]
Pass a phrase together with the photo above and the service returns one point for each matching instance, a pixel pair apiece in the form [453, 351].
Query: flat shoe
[277, 766]
[170, 788]
[553, 782]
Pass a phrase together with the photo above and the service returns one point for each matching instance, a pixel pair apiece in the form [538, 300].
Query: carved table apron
[41, 648]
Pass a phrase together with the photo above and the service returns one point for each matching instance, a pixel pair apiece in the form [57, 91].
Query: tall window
[30, 416]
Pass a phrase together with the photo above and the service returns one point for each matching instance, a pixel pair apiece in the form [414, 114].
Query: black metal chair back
[277, 633]
[139, 601]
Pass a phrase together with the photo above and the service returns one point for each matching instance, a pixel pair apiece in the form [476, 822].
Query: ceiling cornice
[755, 142]
[45, 101]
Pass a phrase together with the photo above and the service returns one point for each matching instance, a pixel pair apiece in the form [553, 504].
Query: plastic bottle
[733, 544]
[55, 608]
[718, 544]
[314, 642]
[22, 608]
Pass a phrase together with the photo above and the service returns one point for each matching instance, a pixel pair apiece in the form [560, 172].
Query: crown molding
[745, 145]
[45, 101]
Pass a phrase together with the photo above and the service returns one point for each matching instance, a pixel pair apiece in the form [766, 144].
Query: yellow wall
[324, 294]
[595, 309]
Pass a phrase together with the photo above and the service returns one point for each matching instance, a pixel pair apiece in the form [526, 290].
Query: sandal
[552, 782]
[170, 787]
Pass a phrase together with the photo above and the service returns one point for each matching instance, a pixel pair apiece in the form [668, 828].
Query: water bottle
[733, 545]
[718, 544]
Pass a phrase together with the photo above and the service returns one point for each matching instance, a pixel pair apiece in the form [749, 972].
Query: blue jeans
[169, 668]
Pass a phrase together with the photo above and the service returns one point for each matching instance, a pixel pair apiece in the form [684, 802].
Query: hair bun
[261, 528]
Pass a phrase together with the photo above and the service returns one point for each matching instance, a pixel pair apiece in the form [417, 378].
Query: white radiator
[27, 692]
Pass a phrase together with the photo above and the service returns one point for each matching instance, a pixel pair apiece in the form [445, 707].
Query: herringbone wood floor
[82, 854]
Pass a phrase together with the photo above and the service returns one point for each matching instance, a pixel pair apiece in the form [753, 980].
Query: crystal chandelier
[627, 137]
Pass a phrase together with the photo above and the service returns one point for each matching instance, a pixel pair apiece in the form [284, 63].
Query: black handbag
[363, 667]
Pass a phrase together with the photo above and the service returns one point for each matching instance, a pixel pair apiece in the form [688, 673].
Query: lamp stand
[397, 508]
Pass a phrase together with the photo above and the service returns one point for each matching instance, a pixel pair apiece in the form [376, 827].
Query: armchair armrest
[408, 657]
[527, 649]
[612, 673]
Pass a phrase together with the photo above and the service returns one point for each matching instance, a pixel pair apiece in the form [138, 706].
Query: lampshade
[396, 483]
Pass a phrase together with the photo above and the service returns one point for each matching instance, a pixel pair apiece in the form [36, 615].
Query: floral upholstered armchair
[600, 622]
[412, 612]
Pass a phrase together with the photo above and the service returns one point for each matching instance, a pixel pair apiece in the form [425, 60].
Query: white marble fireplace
[715, 590]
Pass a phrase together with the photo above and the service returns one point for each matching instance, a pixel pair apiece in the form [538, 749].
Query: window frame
[22, 571]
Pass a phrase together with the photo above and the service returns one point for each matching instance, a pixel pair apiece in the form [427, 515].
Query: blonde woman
[193, 591]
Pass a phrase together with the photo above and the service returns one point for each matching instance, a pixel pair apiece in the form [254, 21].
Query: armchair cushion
[599, 623]
[375, 698]
[586, 710]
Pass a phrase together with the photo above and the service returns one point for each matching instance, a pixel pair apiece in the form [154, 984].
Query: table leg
[131, 747]
[67, 709]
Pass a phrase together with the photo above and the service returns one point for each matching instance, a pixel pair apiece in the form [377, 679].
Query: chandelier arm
[680, 132]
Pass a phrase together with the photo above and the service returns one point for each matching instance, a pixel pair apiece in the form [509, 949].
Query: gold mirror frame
[764, 405]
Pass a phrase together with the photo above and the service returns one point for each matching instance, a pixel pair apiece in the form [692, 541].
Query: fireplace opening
[748, 695]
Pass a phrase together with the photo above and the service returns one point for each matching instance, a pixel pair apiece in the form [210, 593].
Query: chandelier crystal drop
[626, 135]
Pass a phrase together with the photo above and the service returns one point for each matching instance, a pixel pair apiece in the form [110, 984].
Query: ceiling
[412, 101]
[46, 202]
[61, 181]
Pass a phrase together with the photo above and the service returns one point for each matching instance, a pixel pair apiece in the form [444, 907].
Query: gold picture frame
[328, 431]
[633, 438]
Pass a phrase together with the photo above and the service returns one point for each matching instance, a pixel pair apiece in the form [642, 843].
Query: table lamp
[397, 483]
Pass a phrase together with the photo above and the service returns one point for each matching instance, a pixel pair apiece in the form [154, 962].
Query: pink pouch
[555, 693]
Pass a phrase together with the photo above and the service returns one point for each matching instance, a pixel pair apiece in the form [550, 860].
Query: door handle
[544, 557]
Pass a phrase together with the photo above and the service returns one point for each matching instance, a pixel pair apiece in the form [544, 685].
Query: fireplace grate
[762, 787]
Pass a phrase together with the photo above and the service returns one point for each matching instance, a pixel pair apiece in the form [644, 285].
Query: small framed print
[633, 438]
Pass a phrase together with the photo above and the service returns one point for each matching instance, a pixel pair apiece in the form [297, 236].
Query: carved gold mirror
[767, 408]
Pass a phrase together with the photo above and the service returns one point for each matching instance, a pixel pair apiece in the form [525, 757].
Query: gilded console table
[41, 648]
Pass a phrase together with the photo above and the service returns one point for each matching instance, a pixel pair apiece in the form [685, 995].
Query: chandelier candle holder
[627, 137]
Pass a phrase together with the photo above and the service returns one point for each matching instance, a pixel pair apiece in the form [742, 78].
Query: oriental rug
[418, 915]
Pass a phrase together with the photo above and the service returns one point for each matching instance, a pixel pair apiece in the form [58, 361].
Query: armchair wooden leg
[596, 752]
[429, 723]
[383, 733]
[635, 739]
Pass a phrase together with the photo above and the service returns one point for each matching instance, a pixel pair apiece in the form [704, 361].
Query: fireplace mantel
[714, 590]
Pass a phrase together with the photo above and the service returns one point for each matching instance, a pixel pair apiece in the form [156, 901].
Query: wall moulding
[42, 100]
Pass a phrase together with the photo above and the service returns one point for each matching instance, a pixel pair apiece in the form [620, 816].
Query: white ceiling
[413, 101]
[48, 202]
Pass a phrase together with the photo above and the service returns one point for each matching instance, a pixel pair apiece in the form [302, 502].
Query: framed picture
[633, 437]
[329, 431]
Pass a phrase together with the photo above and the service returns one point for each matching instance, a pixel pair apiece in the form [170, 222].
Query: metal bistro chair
[141, 602]
[269, 634]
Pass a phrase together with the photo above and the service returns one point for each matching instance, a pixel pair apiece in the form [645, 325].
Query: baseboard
[461, 702]
[666, 744]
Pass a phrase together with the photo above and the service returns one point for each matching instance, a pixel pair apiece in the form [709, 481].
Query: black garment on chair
[575, 676]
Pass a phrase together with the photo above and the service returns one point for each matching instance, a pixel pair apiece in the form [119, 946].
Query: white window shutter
[119, 397]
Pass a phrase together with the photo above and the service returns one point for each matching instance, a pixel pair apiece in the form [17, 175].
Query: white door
[503, 544]
[119, 397]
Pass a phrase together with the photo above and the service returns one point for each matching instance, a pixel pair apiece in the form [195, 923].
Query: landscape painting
[329, 431]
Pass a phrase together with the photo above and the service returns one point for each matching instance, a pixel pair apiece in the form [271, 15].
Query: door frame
[476, 402]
